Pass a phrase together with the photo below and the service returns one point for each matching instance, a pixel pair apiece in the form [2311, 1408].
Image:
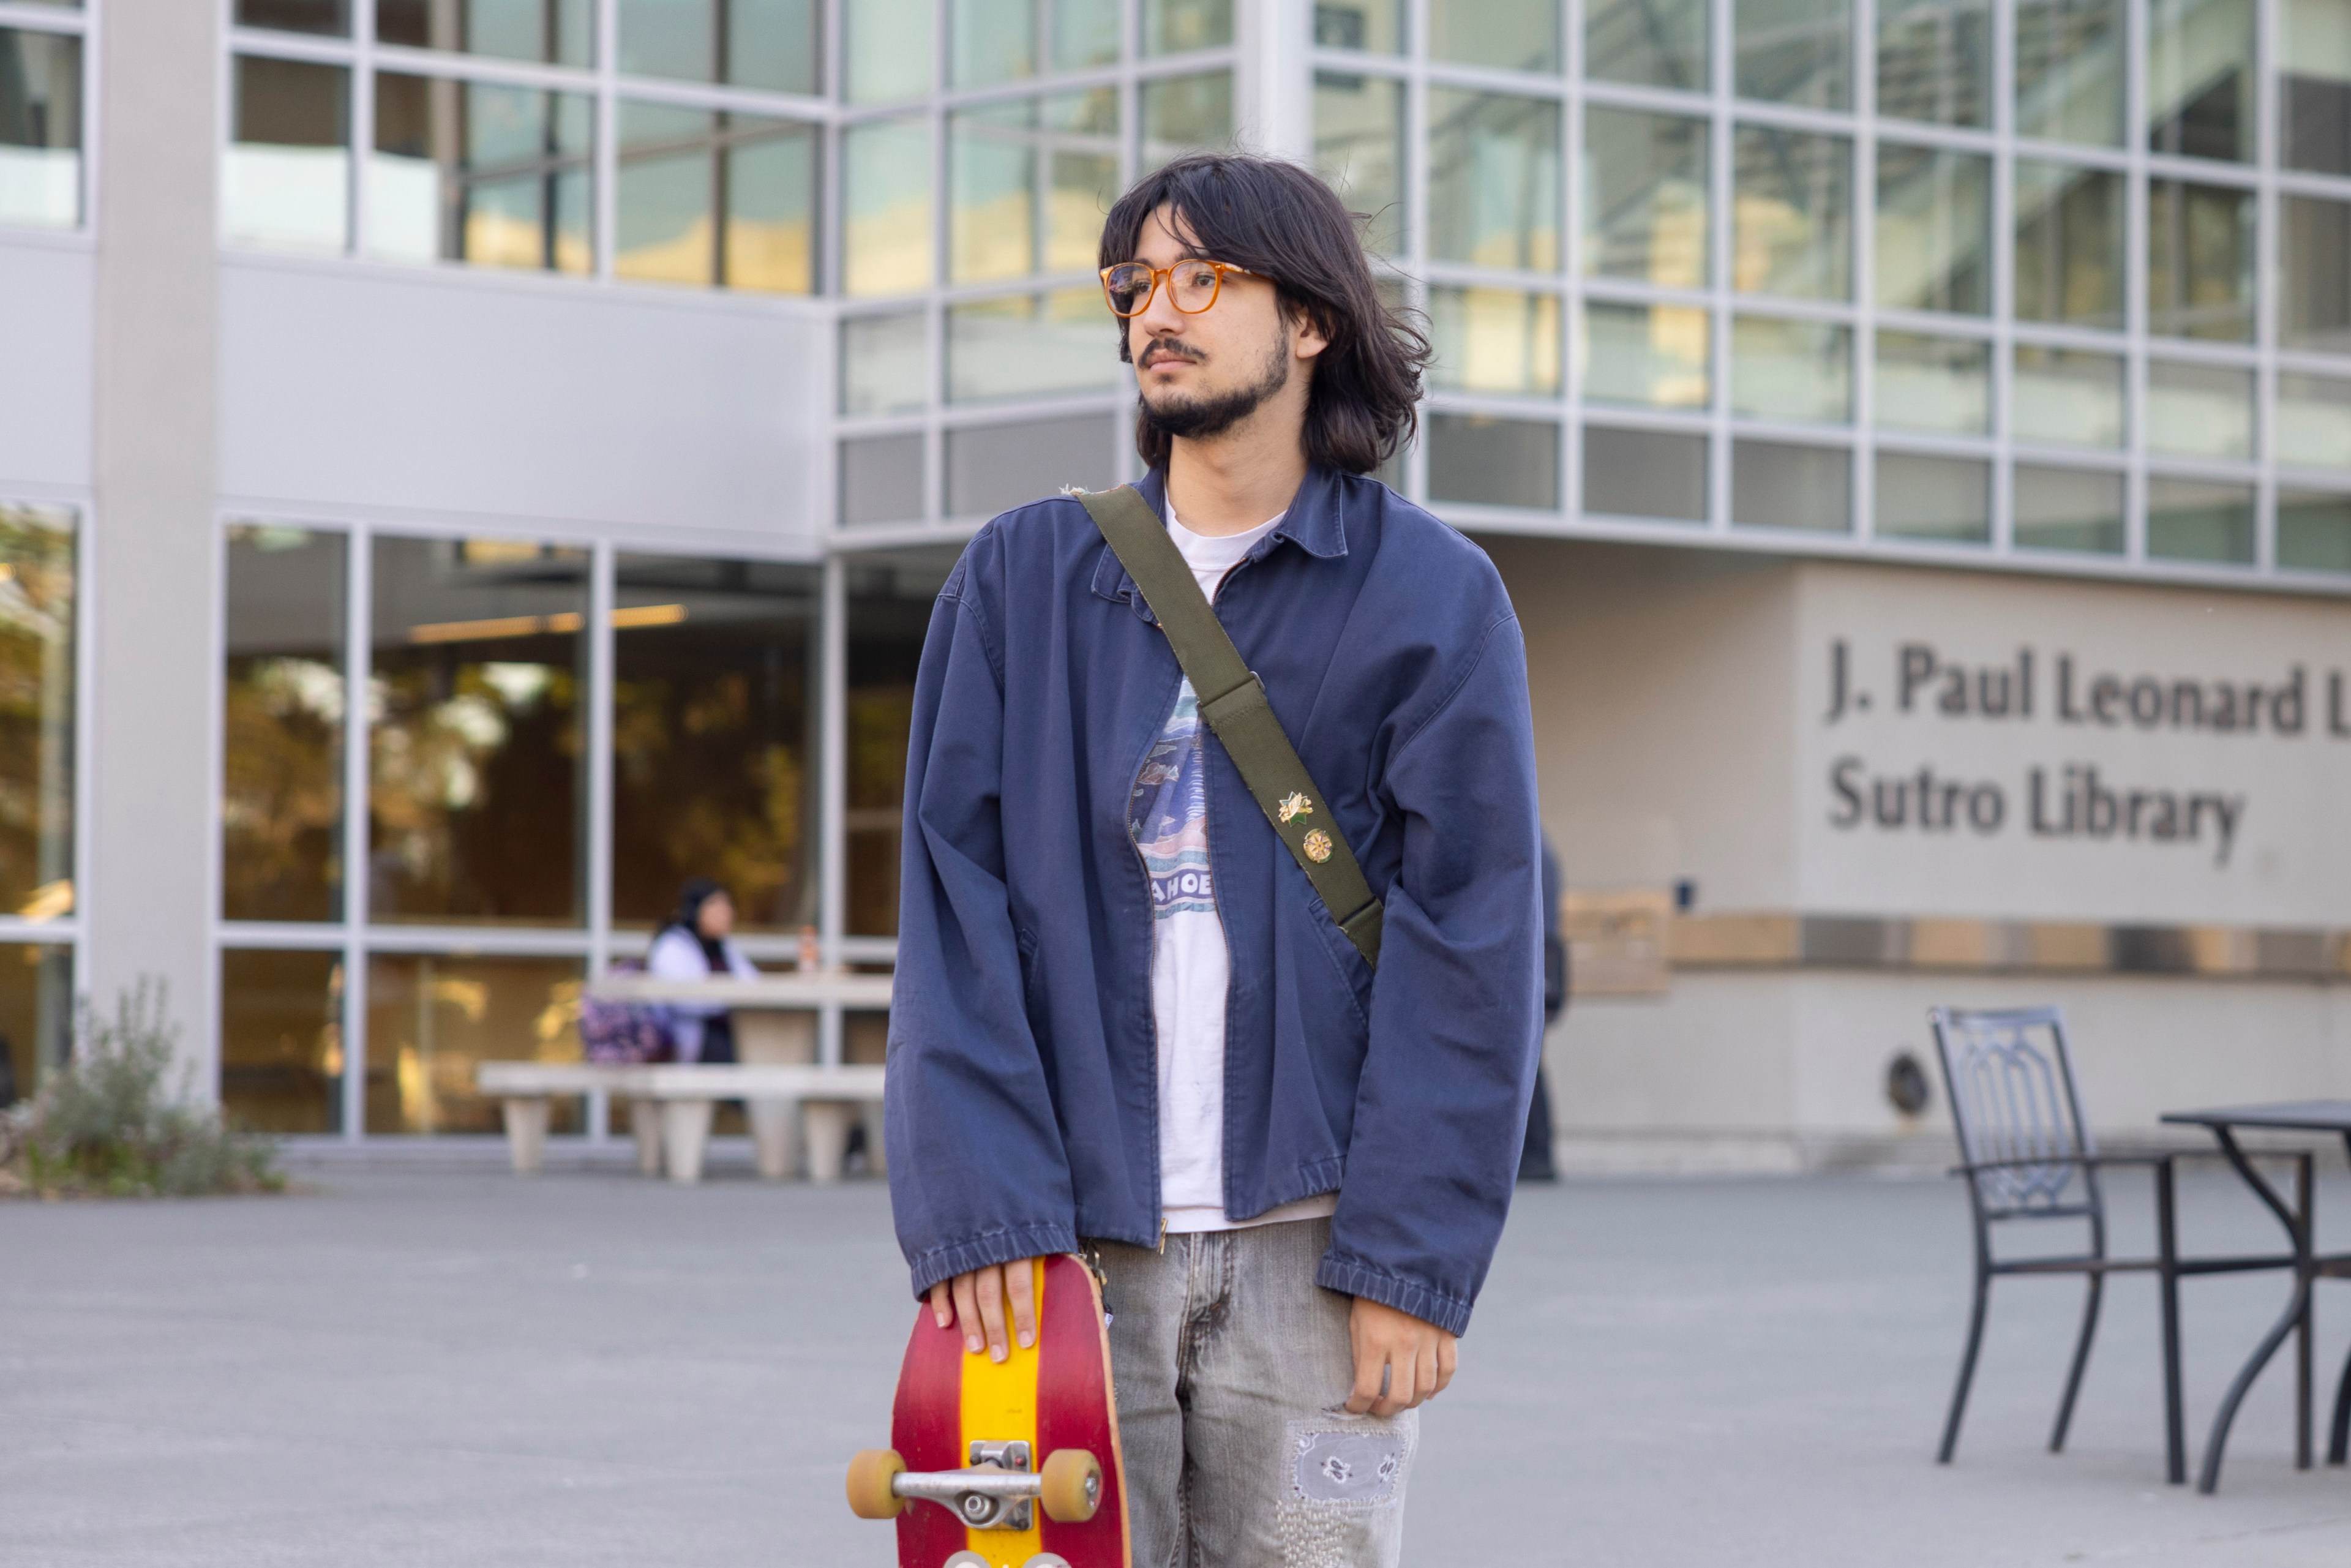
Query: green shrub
[108, 1123]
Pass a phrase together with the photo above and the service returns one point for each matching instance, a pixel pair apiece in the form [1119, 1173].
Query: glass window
[2069, 245]
[882, 479]
[288, 182]
[557, 32]
[2314, 531]
[771, 44]
[2066, 397]
[1946, 499]
[1774, 485]
[2192, 519]
[38, 614]
[2199, 78]
[1185, 114]
[1933, 229]
[477, 794]
[1494, 339]
[993, 468]
[1171, 27]
[990, 41]
[1514, 35]
[1489, 462]
[2314, 87]
[1374, 25]
[1934, 60]
[2068, 509]
[1080, 175]
[1032, 345]
[330, 17]
[1645, 197]
[889, 600]
[2069, 70]
[886, 366]
[1083, 34]
[1494, 176]
[1359, 149]
[712, 196]
[713, 735]
[281, 1045]
[1652, 355]
[2199, 410]
[37, 1008]
[1792, 214]
[886, 202]
[498, 176]
[2199, 261]
[1795, 51]
[886, 48]
[2314, 275]
[1792, 369]
[2314, 421]
[431, 1019]
[1653, 43]
[1645, 474]
[40, 128]
[992, 192]
[284, 698]
[1939, 384]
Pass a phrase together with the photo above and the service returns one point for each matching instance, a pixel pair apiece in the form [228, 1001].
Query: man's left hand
[1401, 1362]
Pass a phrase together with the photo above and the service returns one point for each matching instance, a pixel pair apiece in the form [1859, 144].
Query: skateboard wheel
[869, 1474]
[1047, 1559]
[1070, 1486]
[966, 1560]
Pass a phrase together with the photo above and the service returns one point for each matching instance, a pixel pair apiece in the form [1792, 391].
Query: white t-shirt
[1190, 964]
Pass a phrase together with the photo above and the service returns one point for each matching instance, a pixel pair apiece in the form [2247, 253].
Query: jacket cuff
[994, 1246]
[1350, 1277]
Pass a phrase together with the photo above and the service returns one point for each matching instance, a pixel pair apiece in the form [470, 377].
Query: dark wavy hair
[1282, 222]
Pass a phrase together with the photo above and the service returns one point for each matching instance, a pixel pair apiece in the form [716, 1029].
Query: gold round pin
[1318, 846]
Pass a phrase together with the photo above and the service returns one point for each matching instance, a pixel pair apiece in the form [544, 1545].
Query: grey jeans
[1231, 1364]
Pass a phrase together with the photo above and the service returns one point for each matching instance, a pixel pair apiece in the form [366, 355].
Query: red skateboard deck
[989, 1464]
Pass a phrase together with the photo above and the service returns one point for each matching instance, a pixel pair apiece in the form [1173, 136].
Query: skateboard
[1010, 1466]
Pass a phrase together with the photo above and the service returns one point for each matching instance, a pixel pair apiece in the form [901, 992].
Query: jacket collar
[1315, 523]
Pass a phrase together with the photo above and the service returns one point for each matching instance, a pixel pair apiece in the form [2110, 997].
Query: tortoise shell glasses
[1193, 285]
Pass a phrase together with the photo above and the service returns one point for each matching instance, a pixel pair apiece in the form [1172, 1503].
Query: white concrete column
[1273, 90]
[153, 560]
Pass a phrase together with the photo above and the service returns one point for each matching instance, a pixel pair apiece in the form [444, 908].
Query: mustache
[1167, 348]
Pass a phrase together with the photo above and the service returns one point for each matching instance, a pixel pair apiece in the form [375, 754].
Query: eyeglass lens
[1192, 287]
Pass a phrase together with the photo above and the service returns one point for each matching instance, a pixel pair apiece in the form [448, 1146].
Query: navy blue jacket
[1023, 1107]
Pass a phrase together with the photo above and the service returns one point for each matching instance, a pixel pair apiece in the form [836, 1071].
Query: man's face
[1200, 373]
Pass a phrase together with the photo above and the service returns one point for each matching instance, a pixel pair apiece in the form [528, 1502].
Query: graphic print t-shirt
[1169, 816]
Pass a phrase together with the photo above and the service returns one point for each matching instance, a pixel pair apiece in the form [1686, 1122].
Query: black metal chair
[2027, 1155]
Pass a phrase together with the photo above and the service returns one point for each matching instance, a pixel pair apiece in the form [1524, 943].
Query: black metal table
[2331, 1116]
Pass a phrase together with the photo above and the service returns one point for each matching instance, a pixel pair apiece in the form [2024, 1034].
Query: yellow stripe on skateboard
[1000, 1405]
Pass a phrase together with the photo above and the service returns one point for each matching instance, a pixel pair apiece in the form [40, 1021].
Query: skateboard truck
[996, 1490]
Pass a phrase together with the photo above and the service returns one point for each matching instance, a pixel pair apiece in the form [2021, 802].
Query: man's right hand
[976, 1301]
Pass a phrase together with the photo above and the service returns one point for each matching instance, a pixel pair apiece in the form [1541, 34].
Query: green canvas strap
[1232, 701]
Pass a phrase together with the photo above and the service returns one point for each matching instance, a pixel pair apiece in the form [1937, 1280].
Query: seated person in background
[696, 943]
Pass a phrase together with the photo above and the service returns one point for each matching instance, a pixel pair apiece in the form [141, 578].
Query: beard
[1201, 418]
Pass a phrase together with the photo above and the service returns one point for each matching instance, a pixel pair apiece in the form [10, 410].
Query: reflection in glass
[2199, 410]
[2199, 78]
[1650, 356]
[2314, 420]
[1080, 143]
[1376, 26]
[886, 48]
[2314, 87]
[1032, 345]
[37, 1006]
[715, 197]
[2314, 273]
[2066, 397]
[2199, 261]
[2313, 532]
[992, 192]
[2194, 520]
[1645, 197]
[1933, 229]
[886, 207]
[1934, 60]
[1493, 172]
[885, 364]
[2069, 70]
[287, 181]
[990, 41]
[1937, 385]
[1483, 461]
[1644, 473]
[1792, 232]
[1792, 369]
[281, 1041]
[1795, 51]
[770, 44]
[432, 1019]
[1359, 149]
[1171, 27]
[1494, 339]
[555, 32]
[498, 176]
[880, 478]
[328, 16]
[1514, 35]
[283, 701]
[40, 128]
[1185, 114]
[2069, 245]
[1776, 484]
[2078, 509]
[890, 599]
[713, 742]
[1083, 34]
[475, 697]
[1946, 499]
[37, 610]
[1651, 43]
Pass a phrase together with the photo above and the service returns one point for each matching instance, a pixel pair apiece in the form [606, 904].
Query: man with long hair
[1125, 1023]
